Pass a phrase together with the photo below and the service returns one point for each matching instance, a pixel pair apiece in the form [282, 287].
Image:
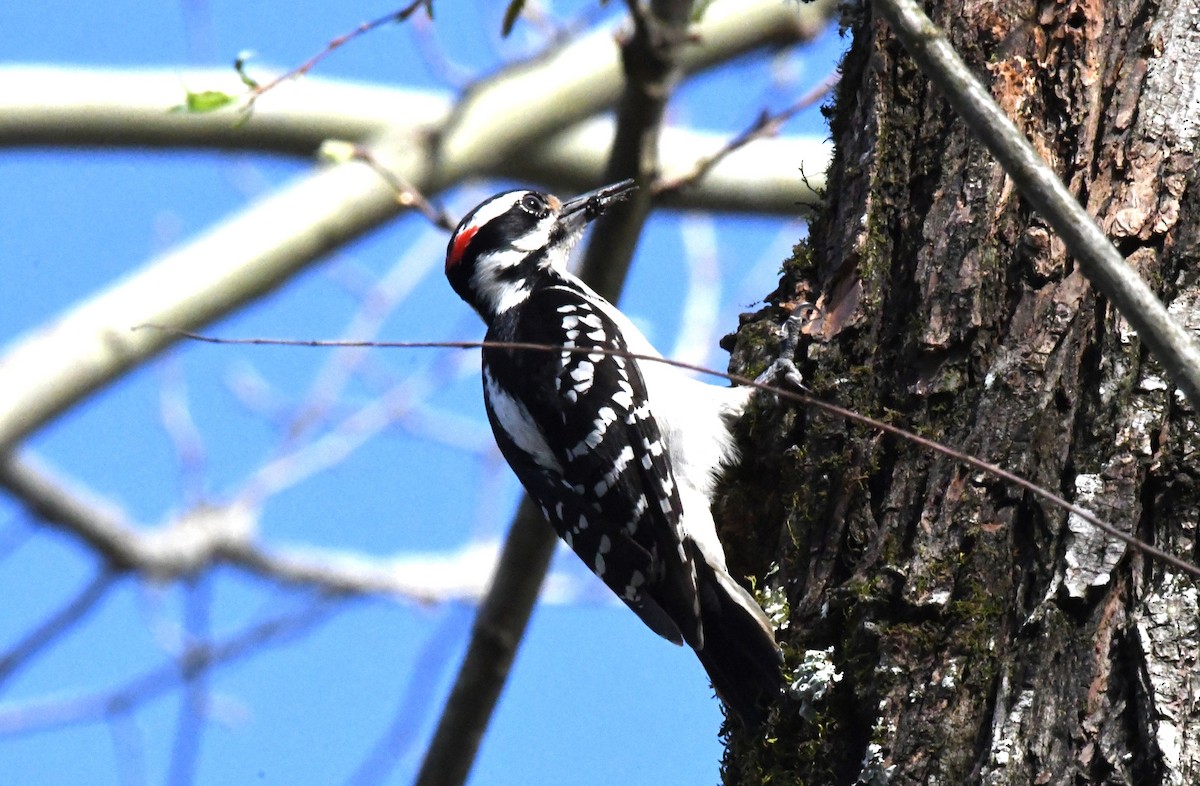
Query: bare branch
[41, 714]
[379, 300]
[499, 626]
[407, 195]
[759, 178]
[56, 624]
[394, 17]
[575, 81]
[111, 108]
[652, 61]
[114, 108]
[209, 536]
[766, 126]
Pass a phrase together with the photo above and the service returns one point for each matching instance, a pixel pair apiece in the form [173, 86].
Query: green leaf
[510, 16]
[205, 101]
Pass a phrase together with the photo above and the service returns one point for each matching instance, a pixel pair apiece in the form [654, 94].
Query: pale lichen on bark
[1174, 114]
[1167, 633]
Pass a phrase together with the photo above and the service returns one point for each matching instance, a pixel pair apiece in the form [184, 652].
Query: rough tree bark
[983, 636]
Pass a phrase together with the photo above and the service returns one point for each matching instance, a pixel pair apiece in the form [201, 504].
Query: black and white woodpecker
[620, 454]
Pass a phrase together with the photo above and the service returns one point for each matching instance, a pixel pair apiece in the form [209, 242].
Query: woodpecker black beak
[578, 212]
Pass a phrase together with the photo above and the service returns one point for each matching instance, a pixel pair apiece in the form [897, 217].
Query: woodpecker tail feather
[739, 653]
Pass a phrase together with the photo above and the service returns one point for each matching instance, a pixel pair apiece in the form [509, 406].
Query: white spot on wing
[636, 580]
[582, 371]
[610, 478]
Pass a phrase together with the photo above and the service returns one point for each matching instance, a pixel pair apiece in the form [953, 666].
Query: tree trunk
[981, 635]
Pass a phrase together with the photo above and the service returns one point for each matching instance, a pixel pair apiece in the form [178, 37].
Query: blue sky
[594, 698]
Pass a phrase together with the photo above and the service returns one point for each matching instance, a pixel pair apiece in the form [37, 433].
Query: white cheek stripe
[539, 237]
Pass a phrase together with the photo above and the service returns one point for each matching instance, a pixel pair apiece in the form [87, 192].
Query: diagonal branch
[56, 624]
[226, 535]
[766, 126]
[1104, 266]
[495, 636]
[72, 107]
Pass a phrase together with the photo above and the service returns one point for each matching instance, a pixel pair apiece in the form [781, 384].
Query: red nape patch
[460, 245]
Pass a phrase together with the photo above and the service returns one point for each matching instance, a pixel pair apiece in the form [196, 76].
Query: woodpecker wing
[583, 440]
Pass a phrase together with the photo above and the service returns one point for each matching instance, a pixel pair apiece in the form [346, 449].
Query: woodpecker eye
[534, 204]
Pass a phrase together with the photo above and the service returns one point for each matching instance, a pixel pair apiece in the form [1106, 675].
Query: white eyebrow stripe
[496, 207]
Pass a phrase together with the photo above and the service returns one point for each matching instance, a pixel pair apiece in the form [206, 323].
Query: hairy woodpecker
[620, 454]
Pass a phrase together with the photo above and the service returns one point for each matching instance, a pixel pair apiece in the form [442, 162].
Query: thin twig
[257, 90]
[56, 624]
[799, 398]
[379, 298]
[767, 125]
[407, 195]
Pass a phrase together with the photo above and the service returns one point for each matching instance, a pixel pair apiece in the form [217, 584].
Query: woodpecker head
[503, 245]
